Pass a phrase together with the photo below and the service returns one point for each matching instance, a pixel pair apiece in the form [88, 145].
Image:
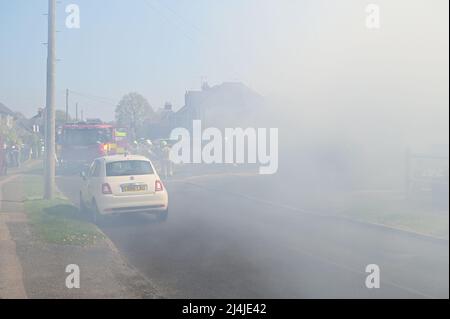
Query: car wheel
[162, 216]
[83, 208]
[96, 216]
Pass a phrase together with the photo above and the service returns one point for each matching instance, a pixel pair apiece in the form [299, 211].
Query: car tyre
[83, 208]
[96, 216]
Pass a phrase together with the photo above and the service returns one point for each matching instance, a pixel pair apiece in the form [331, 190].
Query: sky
[310, 58]
[158, 48]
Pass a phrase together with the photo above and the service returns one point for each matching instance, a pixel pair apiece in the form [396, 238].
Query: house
[37, 122]
[230, 104]
[163, 122]
[6, 116]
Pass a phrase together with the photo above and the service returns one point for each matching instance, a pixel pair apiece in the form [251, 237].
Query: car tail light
[103, 148]
[158, 186]
[106, 189]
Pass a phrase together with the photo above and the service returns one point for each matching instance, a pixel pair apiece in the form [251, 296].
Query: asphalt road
[218, 245]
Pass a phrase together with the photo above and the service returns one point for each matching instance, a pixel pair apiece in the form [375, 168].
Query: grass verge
[396, 212]
[56, 221]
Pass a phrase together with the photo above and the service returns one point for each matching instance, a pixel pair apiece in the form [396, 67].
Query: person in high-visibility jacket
[166, 163]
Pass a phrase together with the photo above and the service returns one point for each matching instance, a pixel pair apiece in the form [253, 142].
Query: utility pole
[67, 105]
[76, 111]
[49, 191]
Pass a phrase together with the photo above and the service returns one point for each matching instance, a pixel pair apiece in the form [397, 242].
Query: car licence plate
[134, 188]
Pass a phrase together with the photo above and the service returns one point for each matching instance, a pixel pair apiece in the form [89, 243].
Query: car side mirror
[83, 175]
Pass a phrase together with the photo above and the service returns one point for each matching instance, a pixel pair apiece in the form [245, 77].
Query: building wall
[6, 120]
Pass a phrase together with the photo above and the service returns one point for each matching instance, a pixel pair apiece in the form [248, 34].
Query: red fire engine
[82, 142]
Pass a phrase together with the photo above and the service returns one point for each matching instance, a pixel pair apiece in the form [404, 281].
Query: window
[124, 168]
[91, 169]
[97, 167]
[87, 136]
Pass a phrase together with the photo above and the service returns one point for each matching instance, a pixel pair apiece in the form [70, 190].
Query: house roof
[5, 110]
[228, 94]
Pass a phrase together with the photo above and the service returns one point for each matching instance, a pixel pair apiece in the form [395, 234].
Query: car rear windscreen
[125, 168]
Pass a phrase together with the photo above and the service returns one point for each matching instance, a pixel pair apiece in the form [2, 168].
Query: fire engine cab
[82, 142]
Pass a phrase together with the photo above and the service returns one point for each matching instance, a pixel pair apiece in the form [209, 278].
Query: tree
[132, 111]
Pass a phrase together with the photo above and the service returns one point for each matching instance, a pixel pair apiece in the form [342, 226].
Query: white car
[121, 184]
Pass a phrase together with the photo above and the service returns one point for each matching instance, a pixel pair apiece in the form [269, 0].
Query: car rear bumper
[110, 204]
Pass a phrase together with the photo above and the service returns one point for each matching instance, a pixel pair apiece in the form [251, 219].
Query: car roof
[123, 157]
